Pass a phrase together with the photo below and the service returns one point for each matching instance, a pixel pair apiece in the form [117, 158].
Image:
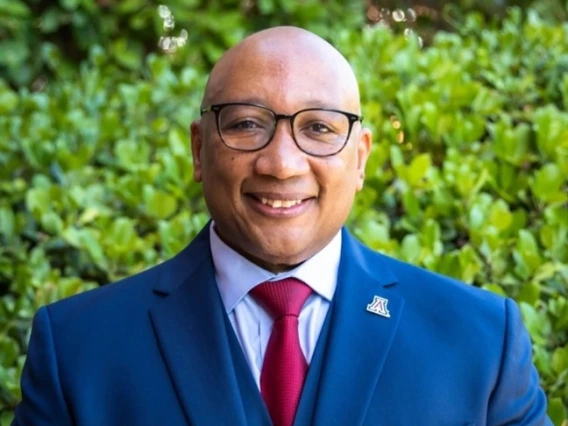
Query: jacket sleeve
[43, 401]
[517, 398]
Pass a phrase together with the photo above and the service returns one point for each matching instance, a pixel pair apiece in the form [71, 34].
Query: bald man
[275, 314]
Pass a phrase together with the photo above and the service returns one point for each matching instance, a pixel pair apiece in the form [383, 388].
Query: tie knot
[282, 297]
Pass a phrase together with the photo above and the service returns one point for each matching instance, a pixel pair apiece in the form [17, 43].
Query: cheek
[223, 172]
[339, 179]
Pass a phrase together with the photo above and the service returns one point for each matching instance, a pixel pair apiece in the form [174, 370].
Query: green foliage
[467, 175]
[41, 39]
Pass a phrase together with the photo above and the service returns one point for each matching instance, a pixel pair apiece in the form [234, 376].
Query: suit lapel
[359, 341]
[190, 326]
[191, 329]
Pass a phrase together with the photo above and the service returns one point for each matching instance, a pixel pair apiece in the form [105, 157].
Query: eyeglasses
[320, 132]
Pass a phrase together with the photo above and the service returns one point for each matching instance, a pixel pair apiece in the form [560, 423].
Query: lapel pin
[379, 306]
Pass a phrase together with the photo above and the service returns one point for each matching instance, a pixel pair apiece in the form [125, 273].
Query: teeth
[279, 204]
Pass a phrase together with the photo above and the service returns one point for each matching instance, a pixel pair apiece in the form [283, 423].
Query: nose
[282, 158]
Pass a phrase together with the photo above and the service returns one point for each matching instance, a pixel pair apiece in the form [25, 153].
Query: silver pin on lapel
[379, 306]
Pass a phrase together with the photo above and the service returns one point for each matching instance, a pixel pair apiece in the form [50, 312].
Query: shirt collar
[236, 275]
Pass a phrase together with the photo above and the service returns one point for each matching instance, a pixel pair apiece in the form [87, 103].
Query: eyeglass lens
[249, 127]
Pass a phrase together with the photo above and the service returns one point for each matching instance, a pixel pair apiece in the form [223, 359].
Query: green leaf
[38, 201]
[122, 237]
[411, 204]
[132, 154]
[557, 411]
[551, 128]
[87, 240]
[70, 4]
[73, 285]
[6, 417]
[373, 233]
[7, 223]
[511, 143]
[90, 243]
[14, 8]
[431, 236]
[127, 7]
[529, 293]
[158, 203]
[8, 100]
[487, 101]
[410, 249]
[9, 350]
[527, 253]
[418, 169]
[548, 182]
[558, 308]
[178, 142]
[127, 53]
[470, 264]
[542, 360]
[266, 6]
[52, 223]
[500, 216]
[396, 156]
[536, 323]
[560, 360]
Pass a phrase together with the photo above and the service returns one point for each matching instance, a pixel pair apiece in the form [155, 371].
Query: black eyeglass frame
[216, 108]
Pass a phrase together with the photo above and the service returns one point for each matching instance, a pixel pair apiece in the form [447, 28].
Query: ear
[363, 150]
[196, 144]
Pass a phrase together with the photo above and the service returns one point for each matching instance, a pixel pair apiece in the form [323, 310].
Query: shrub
[467, 175]
[43, 39]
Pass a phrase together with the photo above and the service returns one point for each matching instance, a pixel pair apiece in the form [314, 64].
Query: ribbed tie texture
[284, 368]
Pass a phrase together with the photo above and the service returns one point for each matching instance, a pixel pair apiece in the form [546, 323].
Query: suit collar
[361, 259]
[177, 270]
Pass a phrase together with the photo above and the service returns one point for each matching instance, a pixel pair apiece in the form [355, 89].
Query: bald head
[290, 55]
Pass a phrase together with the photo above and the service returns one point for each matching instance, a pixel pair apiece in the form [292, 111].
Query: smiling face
[279, 206]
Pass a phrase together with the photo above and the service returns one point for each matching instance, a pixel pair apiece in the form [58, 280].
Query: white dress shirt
[236, 276]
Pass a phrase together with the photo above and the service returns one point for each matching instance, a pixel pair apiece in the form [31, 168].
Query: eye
[244, 125]
[318, 128]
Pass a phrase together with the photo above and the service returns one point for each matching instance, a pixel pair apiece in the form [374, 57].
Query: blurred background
[42, 39]
[468, 103]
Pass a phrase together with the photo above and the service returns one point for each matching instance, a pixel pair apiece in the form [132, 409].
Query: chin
[284, 258]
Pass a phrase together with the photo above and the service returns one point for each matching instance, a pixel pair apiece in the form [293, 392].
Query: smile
[280, 204]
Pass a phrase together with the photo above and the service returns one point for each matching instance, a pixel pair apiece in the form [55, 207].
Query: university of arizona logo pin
[379, 306]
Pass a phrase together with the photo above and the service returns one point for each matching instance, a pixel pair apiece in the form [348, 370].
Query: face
[279, 206]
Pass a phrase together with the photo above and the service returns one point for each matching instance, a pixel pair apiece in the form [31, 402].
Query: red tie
[284, 368]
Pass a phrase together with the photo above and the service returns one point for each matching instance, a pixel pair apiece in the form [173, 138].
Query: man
[210, 336]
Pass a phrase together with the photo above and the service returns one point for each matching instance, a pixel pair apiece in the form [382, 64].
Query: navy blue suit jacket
[158, 349]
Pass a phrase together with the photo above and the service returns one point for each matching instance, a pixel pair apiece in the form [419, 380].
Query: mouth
[280, 205]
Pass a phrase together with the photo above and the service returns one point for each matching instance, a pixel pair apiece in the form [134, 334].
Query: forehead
[286, 77]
